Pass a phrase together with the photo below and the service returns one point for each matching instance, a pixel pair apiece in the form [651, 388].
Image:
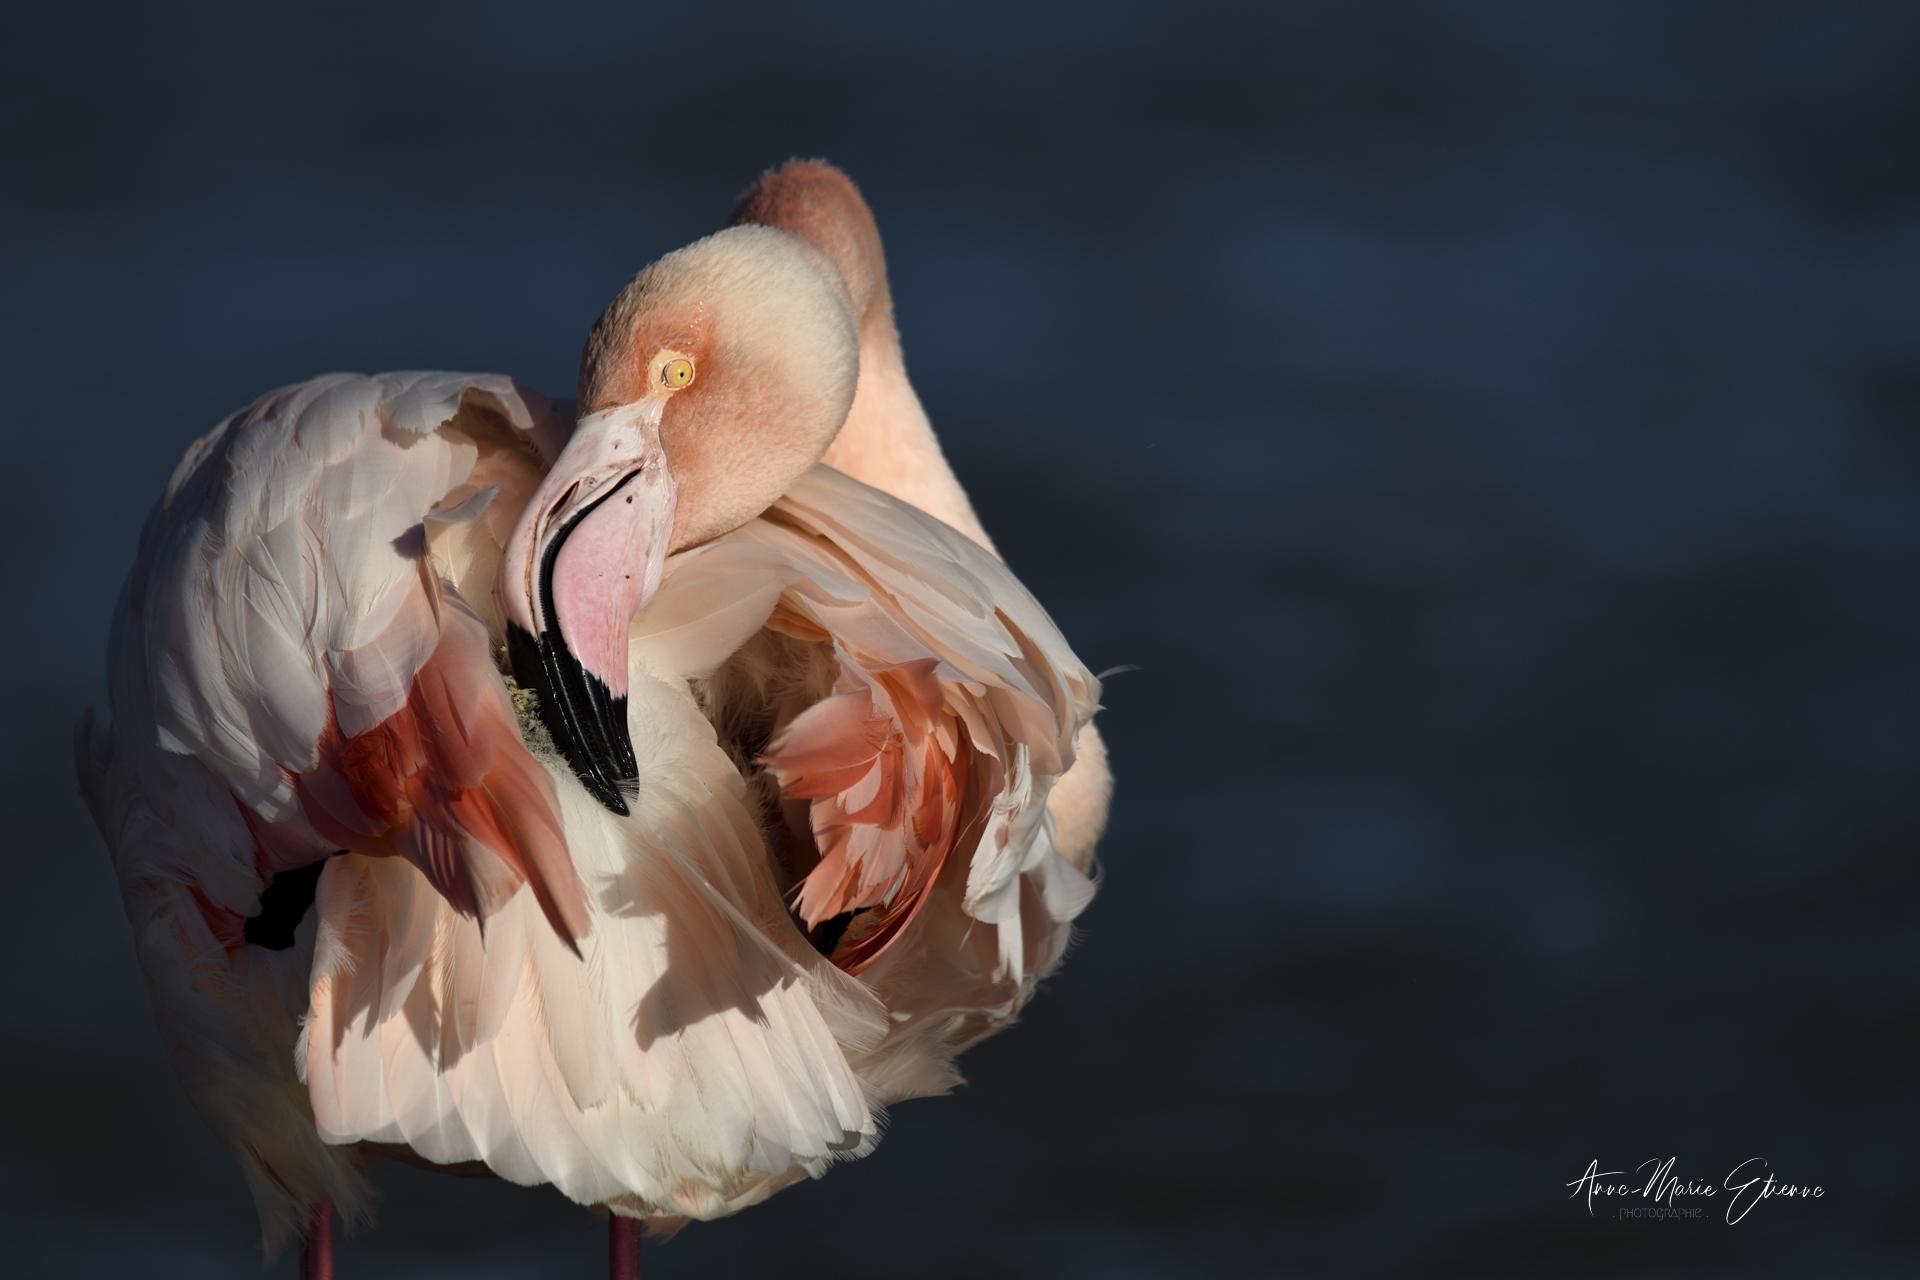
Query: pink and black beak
[584, 558]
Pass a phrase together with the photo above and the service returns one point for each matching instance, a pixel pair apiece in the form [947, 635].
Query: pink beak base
[586, 556]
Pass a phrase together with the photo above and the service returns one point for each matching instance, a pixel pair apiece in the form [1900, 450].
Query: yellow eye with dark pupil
[677, 372]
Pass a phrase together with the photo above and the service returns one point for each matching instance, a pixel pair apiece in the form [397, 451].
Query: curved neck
[887, 441]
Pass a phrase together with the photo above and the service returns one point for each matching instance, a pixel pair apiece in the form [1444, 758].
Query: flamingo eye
[676, 373]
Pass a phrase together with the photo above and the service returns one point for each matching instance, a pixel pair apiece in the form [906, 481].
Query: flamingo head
[712, 382]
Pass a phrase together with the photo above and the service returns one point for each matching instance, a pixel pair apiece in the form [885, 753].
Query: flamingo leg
[623, 1249]
[316, 1247]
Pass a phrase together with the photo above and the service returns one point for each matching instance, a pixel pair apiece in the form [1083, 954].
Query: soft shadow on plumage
[670, 802]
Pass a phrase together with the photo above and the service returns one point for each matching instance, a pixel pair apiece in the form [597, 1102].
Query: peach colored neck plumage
[887, 441]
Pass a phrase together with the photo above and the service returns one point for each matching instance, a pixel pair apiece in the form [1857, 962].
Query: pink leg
[316, 1250]
[623, 1249]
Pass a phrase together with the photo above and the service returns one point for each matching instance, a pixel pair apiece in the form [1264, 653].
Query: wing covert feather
[299, 637]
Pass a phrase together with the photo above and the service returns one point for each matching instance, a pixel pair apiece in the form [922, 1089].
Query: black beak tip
[580, 713]
[607, 795]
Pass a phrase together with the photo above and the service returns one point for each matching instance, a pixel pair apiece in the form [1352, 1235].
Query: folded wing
[294, 632]
[922, 769]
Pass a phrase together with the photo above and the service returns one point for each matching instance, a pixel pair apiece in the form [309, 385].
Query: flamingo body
[669, 803]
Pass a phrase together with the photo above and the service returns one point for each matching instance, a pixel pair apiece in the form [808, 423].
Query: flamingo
[633, 796]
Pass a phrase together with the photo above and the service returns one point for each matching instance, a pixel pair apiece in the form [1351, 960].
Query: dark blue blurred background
[1490, 427]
